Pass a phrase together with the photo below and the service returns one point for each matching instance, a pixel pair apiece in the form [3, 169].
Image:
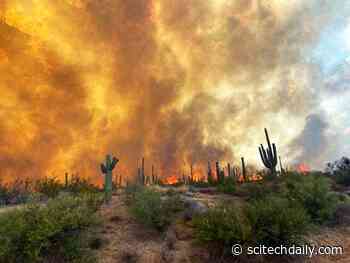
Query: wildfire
[80, 79]
[171, 180]
[303, 168]
[253, 178]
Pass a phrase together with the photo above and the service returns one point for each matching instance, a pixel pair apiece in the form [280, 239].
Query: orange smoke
[165, 80]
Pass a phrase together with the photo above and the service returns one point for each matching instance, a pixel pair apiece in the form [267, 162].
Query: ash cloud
[313, 142]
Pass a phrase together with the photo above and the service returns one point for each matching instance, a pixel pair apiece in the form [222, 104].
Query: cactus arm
[264, 157]
[103, 168]
[274, 155]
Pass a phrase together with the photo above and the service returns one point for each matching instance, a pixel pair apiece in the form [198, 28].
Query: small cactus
[107, 169]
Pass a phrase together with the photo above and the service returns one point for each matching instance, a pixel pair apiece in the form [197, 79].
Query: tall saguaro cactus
[210, 174]
[269, 156]
[107, 169]
[244, 170]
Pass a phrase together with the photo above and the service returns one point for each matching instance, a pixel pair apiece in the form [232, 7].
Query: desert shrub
[228, 186]
[79, 185]
[38, 232]
[3, 194]
[16, 192]
[275, 221]
[131, 190]
[256, 190]
[271, 221]
[342, 177]
[151, 209]
[222, 227]
[48, 186]
[313, 192]
[200, 184]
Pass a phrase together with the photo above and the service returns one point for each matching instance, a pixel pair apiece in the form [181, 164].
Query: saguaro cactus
[66, 183]
[244, 171]
[219, 173]
[107, 169]
[269, 156]
[229, 171]
[210, 174]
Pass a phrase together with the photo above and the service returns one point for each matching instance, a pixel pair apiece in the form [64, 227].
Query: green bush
[256, 190]
[48, 186]
[228, 186]
[38, 232]
[223, 226]
[270, 221]
[342, 177]
[131, 190]
[275, 221]
[78, 185]
[313, 192]
[151, 209]
[14, 193]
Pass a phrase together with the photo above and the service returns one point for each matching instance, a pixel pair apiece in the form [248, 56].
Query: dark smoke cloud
[313, 143]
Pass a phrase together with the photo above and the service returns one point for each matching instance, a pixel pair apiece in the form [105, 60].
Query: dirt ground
[125, 240]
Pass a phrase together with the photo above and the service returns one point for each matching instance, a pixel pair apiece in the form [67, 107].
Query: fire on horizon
[176, 82]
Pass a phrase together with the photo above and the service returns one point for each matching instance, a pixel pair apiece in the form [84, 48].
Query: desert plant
[36, 233]
[48, 186]
[271, 221]
[107, 169]
[222, 227]
[244, 170]
[342, 177]
[210, 178]
[228, 186]
[277, 221]
[151, 209]
[269, 156]
[79, 185]
[314, 193]
[220, 175]
[256, 190]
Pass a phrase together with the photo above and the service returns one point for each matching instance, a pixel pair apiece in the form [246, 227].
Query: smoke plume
[177, 82]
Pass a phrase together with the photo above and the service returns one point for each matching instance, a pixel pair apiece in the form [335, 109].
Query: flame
[303, 168]
[252, 178]
[170, 180]
[255, 178]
